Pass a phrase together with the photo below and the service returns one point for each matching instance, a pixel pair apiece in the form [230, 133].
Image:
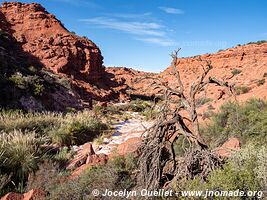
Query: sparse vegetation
[203, 100]
[261, 82]
[23, 134]
[241, 90]
[258, 42]
[116, 175]
[246, 121]
[244, 171]
[236, 71]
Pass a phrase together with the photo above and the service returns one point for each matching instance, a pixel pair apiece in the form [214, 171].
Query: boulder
[230, 146]
[81, 156]
[92, 160]
[97, 159]
[129, 146]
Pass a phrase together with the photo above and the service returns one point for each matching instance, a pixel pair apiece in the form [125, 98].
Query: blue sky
[142, 33]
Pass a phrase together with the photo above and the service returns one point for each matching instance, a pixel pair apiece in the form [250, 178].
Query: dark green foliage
[258, 42]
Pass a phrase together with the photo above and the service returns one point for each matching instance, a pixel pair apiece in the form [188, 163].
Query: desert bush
[236, 71]
[261, 82]
[203, 100]
[258, 42]
[265, 75]
[246, 171]
[150, 113]
[247, 121]
[71, 128]
[241, 90]
[20, 156]
[138, 105]
[63, 156]
[77, 131]
[39, 122]
[109, 110]
[19, 80]
[115, 175]
[46, 177]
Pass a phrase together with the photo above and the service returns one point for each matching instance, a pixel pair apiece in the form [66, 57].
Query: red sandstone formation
[42, 35]
[48, 44]
[247, 62]
[228, 148]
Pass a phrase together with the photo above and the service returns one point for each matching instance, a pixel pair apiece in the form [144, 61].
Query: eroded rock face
[43, 36]
[74, 62]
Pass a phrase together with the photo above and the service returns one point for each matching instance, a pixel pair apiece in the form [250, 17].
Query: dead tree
[158, 146]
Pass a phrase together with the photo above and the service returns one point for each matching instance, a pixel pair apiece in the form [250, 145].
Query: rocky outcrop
[81, 156]
[70, 67]
[228, 148]
[136, 84]
[45, 37]
[129, 146]
[84, 159]
[244, 66]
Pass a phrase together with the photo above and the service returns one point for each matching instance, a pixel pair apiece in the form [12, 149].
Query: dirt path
[123, 131]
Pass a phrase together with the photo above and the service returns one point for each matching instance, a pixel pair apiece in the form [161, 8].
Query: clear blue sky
[142, 33]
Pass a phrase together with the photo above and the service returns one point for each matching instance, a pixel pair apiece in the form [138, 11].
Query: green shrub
[203, 100]
[19, 80]
[258, 42]
[109, 110]
[245, 171]
[261, 82]
[38, 89]
[39, 122]
[236, 71]
[248, 121]
[77, 131]
[150, 113]
[138, 105]
[241, 89]
[20, 155]
[63, 156]
[115, 175]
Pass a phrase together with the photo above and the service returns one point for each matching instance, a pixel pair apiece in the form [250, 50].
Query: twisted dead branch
[158, 146]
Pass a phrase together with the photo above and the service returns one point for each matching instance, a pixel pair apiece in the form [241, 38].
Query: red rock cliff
[43, 36]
